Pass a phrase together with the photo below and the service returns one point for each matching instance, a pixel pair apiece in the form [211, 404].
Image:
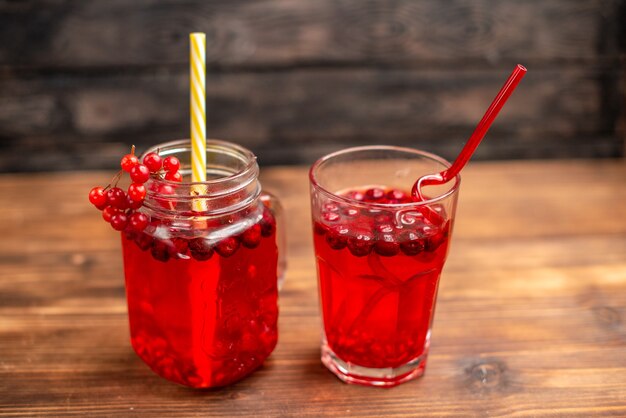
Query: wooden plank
[529, 320]
[287, 117]
[67, 34]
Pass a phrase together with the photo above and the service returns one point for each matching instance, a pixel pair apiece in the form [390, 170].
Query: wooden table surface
[531, 317]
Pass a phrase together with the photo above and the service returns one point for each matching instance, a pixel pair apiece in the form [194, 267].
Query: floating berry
[200, 249]
[129, 161]
[160, 250]
[437, 237]
[411, 243]
[268, 223]
[140, 173]
[319, 229]
[374, 194]
[386, 245]
[251, 237]
[397, 196]
[181, 247]
[360, 244]
[330, 207]
[350, 212]
[119, 221]
[130, 234]
[138, 221]
[384, 228]
[355, 195]
[227, 246]
[171, 164]
[108, 212]
[117, 198]
[137, 192]
[330, 216]
[383, 219]
[144, 241]
[336, 237]
[98, 197]
[174, 176]
[153, 161]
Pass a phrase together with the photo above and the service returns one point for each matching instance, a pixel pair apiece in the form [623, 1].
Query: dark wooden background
[293, 79]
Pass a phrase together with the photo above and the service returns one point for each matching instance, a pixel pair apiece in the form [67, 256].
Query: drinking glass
[379, 258]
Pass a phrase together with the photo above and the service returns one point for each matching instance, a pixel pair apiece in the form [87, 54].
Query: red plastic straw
[477, 135]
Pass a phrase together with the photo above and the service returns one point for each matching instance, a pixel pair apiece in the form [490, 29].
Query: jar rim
[415, 152]
[179, 145]
[233, 184]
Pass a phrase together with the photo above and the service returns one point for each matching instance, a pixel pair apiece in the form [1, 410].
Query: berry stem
[116, 178]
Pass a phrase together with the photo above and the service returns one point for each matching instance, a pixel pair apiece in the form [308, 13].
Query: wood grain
[298, 116]
[294, 79]
[530, 319]
[275, 33]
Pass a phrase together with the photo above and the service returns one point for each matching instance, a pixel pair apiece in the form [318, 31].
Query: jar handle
[274, 205]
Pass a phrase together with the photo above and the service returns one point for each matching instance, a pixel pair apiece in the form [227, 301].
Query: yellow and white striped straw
[197, 72]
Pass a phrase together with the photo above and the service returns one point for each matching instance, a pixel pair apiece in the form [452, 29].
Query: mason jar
[202, 279]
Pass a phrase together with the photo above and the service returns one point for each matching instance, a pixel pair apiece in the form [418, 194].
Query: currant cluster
[119, 207]
[363, 230]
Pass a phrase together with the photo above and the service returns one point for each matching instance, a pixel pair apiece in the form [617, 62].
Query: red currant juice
[378, 279]
[203, 314]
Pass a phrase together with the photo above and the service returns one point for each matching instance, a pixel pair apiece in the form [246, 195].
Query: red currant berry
[330, 207]
[386, 245]
[140, 173]
[268, 223]
[143, 241]
[171, 164]
[436, 237]
[330, 216]
[355, 195]
[350, 212]
[319, 229]
[137, 192]
[251, 237]
[174, 176]
[153, 161]
[166, 190]
[227, 246]
[160, 250]
[383, 228]
[98, 197]
[138, 221]
[129, 234]
[336, 237]
[108, 212]
[383, 219]
[117, 198]
[397, 196]
[361, 243]
[128, 162]
[411, 243]
[200, 249]
[119, 221]
[374, 194]
[181, 247]
[134, 204]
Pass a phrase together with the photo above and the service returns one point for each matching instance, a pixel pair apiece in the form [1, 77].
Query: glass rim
[175, 145]
[424, 154]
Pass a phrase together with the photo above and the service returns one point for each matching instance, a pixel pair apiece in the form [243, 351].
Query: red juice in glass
[379, 259]
[202, 288]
